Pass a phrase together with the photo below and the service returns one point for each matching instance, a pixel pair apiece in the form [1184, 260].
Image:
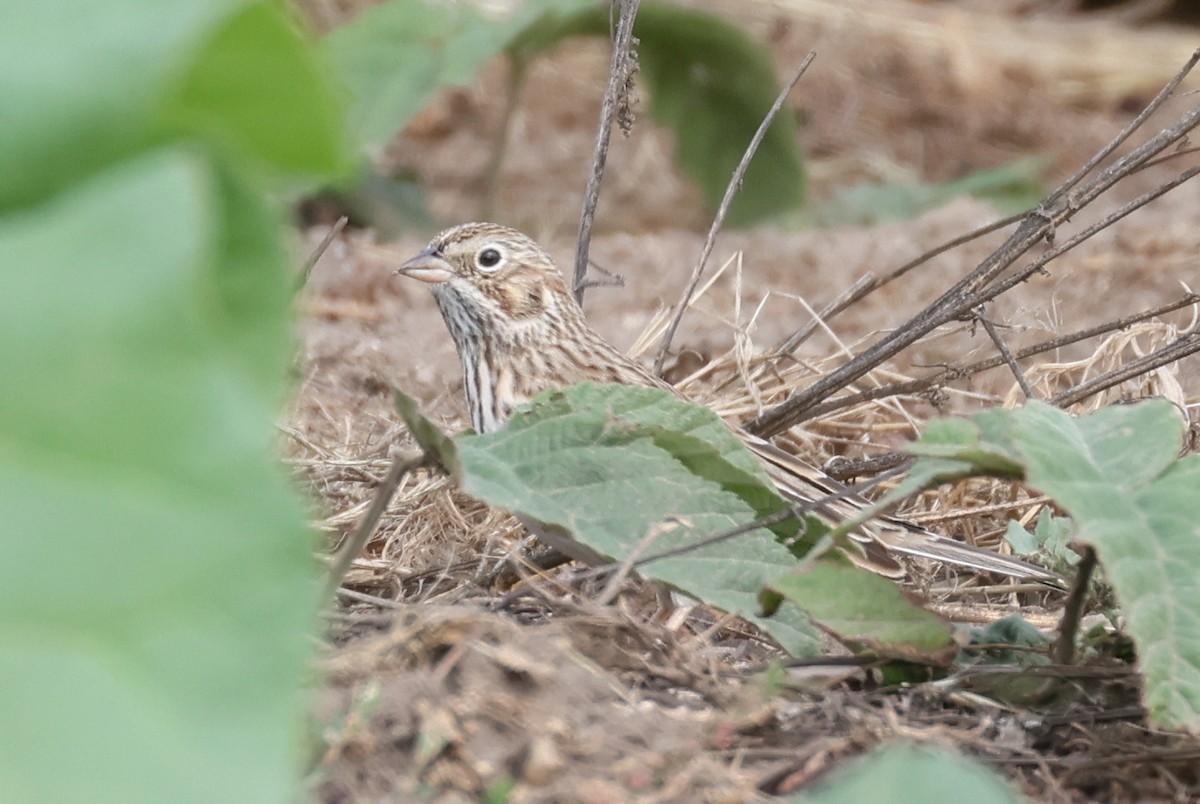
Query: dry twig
[1068, 626]
[869, 284]
[321, 248]
[1005, 354]
[401, 466]
[985, 282]
[620, 76]
[735, 183]
[1176, 350]
[952, 373]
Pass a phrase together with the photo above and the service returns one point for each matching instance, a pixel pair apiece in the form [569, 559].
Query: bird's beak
[428, 266]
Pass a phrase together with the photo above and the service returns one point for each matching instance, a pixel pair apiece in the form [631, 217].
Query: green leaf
[255, 86]
[86, 85]
[1116, 472]
[156, 579]
[1013, 630]
[712, 85]
[83, 79]
[613, 465]
[975, 445]
[948, 451]
[395, 56]
[1051, 537]
[1010, 188]
[912, 774]
[428, 435]
[1024, 646]
[705, 461]
[707, 81]
[870, 612]
[1054, 534]
[1022, 541]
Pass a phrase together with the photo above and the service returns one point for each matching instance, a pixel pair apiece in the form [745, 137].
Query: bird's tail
[800, 483]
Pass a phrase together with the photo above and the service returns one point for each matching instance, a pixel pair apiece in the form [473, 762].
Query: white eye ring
[489, 259]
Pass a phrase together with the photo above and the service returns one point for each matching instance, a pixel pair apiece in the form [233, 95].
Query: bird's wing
[799, 483]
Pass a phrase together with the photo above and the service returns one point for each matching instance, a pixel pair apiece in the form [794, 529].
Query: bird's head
[488, 272]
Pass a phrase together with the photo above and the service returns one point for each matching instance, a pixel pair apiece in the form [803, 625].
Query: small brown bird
[519, 331]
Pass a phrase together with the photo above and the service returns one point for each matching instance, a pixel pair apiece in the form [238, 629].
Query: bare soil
[440, 686]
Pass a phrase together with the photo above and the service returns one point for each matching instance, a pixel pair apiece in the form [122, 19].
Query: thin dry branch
[620, 76]
[401, 466]
[1006, 354]
[321, 248]
[844, 469]
[1176, 350]
[735, 183]
[869, 284]
[953, 373]
[984, 283]
[1068, 626]
[1163, 95]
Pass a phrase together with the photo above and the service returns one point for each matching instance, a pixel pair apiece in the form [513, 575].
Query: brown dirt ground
[431, 694]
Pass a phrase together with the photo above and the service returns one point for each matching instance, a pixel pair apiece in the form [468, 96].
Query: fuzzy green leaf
[615, 465]
[156, 578]
[395, 56]
[1116, 472]
[86, 85]
[911, 774]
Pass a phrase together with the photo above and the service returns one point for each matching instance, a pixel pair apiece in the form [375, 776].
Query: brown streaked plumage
[519, 331]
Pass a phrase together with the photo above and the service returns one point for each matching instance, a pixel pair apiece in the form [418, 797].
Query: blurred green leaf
[613, 465]
[712, 85]
[1015, 631]
[81, 83]
[157, 587]
[88, 84]
[1050, 538]
[156, 578]
[255, 86]
[1054, 534]
[911, 774]
[1022, 541]
[395, 56]
[1010, 188]
[1013, 644]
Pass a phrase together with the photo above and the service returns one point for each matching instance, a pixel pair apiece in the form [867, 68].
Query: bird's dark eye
[488, 258]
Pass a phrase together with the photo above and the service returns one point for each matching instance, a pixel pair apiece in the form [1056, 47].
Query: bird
[519, 331]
